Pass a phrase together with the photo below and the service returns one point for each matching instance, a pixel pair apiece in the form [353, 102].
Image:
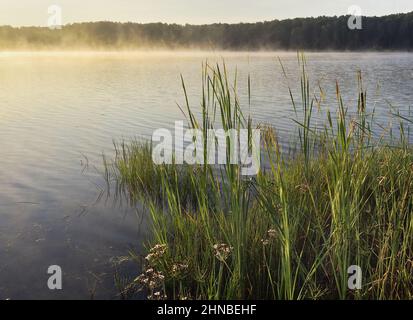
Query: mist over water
[60, 111]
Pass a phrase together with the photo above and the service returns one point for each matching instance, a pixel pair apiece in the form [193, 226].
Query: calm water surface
[59, 112]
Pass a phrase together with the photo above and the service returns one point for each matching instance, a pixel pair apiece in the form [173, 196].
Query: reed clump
[344, 198]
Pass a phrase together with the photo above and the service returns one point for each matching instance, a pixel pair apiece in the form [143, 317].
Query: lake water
[60, 111]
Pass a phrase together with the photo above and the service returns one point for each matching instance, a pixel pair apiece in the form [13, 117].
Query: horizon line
[206, 24]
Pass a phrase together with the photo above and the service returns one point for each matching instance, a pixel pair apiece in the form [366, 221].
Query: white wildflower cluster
[270, 236]
[222, 251]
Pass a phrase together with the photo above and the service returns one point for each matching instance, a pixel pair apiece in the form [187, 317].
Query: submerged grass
[291, 232]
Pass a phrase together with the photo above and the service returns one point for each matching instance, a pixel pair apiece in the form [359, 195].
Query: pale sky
[35, 12]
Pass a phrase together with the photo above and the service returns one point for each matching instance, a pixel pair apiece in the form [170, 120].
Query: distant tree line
[392, 32]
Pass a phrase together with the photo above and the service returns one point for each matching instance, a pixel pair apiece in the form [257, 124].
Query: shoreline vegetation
[393, 32]
[293, 231]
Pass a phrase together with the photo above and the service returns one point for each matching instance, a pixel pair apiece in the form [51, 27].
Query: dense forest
[393, 32]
